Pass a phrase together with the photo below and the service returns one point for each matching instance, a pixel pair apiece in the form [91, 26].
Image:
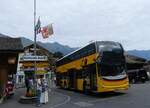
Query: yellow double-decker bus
[97, 67]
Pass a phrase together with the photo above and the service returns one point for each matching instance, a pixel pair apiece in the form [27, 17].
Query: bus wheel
[61, 84]
[65, 85]
[84, 87]
[133, 81]
[143, 79]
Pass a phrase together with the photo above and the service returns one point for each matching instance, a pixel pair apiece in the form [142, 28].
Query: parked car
[9, 88]
[137, 75]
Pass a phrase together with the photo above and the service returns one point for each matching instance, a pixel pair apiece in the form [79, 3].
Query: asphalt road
[138, 96]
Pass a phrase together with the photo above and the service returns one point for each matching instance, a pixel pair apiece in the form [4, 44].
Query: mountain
[52, 47]
[55, 47]
[140, 53]
[26, 41]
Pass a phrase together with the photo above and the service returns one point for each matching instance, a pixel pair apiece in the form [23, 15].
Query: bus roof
[85, 46]
[75, 51]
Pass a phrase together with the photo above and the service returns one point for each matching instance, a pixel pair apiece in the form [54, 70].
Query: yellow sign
[37, 64]
[41, 72]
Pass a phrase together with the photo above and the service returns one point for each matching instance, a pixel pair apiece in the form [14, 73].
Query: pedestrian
[2, 93]
[44, 94]
[46, 90]
[31, 87]
[39, 90]
[27, 86]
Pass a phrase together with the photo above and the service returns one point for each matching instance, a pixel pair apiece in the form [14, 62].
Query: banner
[47, 31]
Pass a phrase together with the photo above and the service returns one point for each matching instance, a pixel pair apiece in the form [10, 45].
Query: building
[135, 69]
[29, 51]
[134, 62]
[9, 50]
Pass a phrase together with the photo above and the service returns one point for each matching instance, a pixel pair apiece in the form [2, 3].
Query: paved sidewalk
[55, 100]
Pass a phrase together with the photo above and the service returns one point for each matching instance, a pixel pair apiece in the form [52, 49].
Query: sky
[78, 22]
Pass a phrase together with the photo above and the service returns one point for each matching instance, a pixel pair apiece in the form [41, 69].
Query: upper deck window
[109, 46]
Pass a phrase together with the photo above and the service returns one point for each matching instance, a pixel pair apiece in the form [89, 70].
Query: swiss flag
[47, 31]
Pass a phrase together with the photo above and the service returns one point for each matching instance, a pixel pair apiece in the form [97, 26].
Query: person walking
[44, 94]
[46, 91]
[27, 86]
[3, 93]
[39, 90]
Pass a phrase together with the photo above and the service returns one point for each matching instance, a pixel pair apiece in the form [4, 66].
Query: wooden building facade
[9, 50]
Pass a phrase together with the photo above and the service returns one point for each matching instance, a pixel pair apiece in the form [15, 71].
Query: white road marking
[60, 104]
[105, 99]
[83, 104]
[98, 100]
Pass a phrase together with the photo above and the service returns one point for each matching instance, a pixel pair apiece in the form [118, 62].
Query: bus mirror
[98, 59]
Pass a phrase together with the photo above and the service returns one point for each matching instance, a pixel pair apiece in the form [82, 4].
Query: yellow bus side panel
[77, 64]
[80, 84]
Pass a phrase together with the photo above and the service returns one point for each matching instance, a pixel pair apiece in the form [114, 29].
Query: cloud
[76, 22]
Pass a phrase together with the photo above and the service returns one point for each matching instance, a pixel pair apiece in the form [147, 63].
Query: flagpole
[35, 43]
[34, 27]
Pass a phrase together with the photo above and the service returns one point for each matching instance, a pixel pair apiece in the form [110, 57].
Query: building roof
[38, 46]
[135, 60]
[2, 35]
[10, 44]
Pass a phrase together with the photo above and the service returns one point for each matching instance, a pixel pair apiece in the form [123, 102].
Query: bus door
[72, 79]
[93, 77]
